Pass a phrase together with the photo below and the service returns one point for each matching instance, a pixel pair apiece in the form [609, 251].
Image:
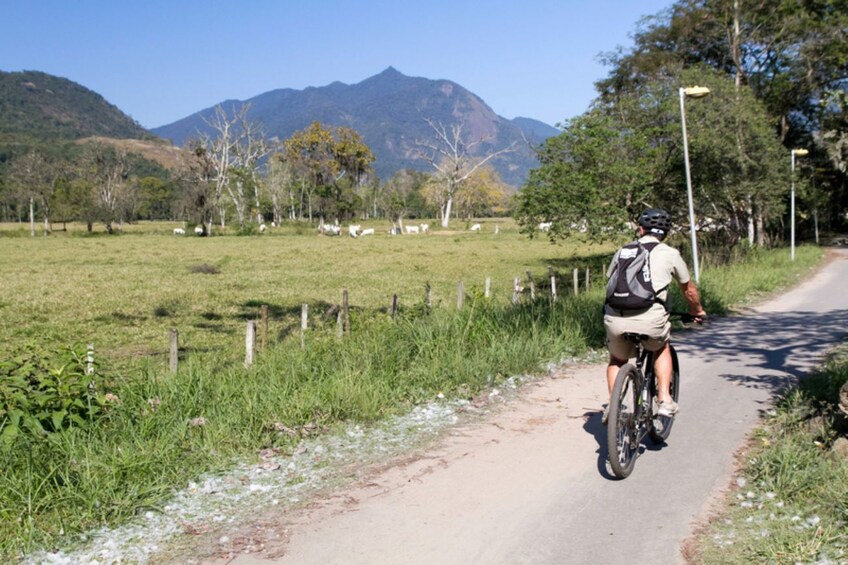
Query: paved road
[531, 485]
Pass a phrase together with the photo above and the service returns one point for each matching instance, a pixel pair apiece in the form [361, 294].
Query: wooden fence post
[516, 290]
[460, 295]
[304, 320]
[250, 344]
[488, 288]
[394, 308]
[576, 282]
[173, 361]
[264, 341]
[428, 295]
[345, 312]
[553, 283]
[532, 287]
[587, 279]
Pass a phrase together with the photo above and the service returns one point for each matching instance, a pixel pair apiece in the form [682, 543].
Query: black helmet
[656, 221]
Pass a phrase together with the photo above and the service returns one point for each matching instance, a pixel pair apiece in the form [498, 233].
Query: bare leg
[663, 369]
[612, 371]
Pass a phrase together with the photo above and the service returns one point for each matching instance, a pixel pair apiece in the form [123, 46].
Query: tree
[32, 176]
[481, 194]
[107, 171]
[331, 164]
[452, 156]
[401, 193]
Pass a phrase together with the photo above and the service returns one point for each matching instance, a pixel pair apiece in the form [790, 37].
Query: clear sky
[161, 60]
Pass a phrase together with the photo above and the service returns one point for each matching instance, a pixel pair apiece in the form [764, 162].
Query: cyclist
[666, 265]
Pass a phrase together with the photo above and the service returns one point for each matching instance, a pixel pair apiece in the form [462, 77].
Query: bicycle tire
[622, 432]
[661, 425]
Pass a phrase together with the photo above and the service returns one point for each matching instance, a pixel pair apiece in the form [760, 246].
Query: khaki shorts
[652, 322]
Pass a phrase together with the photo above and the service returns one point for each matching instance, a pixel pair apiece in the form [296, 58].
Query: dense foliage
[777, 73]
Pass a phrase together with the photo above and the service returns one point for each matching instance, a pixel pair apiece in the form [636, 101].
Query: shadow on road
[766, 351]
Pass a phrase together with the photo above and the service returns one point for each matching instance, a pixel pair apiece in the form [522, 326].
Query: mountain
[35, 105]
[389, 110]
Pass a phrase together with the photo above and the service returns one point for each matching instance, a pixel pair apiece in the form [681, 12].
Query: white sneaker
[667, 409]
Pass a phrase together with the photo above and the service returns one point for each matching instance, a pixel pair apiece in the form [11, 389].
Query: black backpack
[629, 286]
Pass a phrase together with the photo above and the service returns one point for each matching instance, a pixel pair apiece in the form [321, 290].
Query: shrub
[43, 393]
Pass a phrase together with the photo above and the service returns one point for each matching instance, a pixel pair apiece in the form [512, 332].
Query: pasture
[123, 293]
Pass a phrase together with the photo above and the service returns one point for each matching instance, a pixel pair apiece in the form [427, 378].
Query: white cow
[179, 231]
[330, 229]
[198, 230]
[354, 229]
[368, 231]
[262, 228]
[425, 228]
[411, 229]
[475, 227]
[545, 226]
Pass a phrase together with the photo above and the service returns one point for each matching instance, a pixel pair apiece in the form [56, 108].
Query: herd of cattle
[354, 230]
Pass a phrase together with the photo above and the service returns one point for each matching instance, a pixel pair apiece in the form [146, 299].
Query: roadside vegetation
[789, 503]
[83, 448]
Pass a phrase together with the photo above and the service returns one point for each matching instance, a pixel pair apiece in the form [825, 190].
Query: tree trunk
[761, 235]
[31, 216]
[446, 216]
[749, 213]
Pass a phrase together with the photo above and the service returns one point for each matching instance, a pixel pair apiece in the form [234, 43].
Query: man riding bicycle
[665, 265]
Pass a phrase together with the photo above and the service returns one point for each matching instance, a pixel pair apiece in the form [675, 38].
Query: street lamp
[799, 153]
[691, 92]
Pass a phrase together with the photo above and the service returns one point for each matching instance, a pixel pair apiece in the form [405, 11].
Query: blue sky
[160, 61]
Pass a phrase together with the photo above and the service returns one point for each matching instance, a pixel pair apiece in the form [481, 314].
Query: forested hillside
[36, 105]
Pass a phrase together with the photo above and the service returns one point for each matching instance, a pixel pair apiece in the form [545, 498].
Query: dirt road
[529, 484]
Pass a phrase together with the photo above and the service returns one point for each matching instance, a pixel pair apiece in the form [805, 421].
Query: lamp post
[799, 153]
[691, 92]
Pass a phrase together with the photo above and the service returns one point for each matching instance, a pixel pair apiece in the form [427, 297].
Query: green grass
[791, 504]
[123, 293]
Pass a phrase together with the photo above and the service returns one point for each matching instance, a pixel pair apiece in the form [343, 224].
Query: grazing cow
[179, 231]
[368, 231]
[394, 231]
[475, 227]
[545, 226]
[330, 229]
[198, 230]
[425, 228]
[262, 228]
[411, 229]
[354, 229]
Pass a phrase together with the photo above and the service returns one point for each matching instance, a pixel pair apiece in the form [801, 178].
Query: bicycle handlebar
[688, 318]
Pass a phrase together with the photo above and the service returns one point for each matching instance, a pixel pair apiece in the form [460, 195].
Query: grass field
[123, 293]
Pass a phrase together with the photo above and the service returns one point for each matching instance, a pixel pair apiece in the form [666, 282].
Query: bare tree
[451, 156]
[31, 173]
[107, 169]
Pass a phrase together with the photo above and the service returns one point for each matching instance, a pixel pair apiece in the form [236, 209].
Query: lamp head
[696, 91]
[800, 152]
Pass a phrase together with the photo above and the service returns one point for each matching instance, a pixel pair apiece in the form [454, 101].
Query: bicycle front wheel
[622, 425]
[661, 425]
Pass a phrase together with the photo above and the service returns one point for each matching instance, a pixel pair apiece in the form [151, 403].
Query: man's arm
[693, 297]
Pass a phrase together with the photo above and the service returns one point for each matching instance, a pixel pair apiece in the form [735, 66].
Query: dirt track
[528, 483]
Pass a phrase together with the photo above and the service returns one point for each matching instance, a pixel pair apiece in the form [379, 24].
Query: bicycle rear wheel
[661, 425]
[622, 426]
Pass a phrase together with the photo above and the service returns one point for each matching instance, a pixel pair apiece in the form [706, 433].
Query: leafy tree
[332, 164]
[481, 194]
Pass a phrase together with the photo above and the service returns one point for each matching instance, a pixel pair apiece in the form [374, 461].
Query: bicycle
[633, 406]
